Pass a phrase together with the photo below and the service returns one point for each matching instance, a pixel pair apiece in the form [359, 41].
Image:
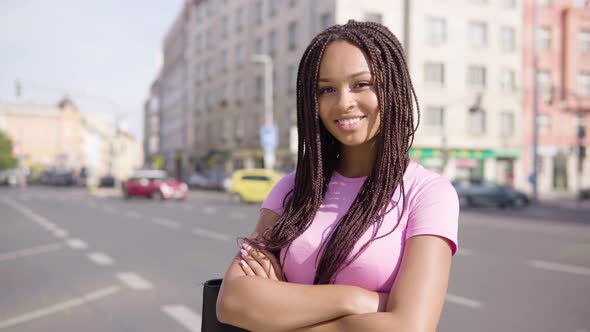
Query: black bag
[209, 323]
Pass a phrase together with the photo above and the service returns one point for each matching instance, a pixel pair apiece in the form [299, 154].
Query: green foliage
[7, 160]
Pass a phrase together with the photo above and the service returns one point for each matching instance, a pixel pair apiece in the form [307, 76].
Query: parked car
[198, 181]
[154, 184]
[252, 185]
[107, 181]
[487, 193]
[13, 177]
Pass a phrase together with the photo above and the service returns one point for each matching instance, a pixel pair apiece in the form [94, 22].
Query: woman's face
[346, 95]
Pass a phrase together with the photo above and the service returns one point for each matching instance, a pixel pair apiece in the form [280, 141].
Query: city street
[71, 261]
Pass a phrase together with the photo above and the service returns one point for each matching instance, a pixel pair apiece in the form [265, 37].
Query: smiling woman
[359, 238]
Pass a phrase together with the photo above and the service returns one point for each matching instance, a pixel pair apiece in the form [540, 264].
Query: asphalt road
[70, 261]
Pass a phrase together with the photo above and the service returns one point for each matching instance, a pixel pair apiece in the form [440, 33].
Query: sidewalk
[567, 201]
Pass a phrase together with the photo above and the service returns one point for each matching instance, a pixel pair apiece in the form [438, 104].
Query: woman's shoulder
[419, 180]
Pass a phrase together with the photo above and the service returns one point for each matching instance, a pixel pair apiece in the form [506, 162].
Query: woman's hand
[260, 263]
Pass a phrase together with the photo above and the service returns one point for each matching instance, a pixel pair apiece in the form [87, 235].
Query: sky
[103, 53]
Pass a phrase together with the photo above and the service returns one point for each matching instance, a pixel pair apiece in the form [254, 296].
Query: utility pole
[268, 132]
[406, 41]
[533, 178]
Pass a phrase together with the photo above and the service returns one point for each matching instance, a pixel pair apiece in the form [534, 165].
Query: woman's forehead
[342, 59]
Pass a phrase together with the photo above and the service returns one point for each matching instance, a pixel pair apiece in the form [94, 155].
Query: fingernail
[246, 246]
[243, 252]
[243, 263]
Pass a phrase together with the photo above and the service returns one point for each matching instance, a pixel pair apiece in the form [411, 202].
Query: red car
[154, 184]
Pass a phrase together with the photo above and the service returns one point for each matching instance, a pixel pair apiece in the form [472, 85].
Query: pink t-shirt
[432, 208]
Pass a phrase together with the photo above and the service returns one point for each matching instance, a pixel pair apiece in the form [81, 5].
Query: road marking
[463, 301]
[166, 222]
[60, 307]
[30, 251]
[212, 234]
[236, 215]
[134, 281]
[559, 267]
[29, 213]
[525, 226]
[100, 258]
[60, 233]
[109, 209]
[76, 244]
[184, 316]
[209, 210]
[133, 214]
[464, 252]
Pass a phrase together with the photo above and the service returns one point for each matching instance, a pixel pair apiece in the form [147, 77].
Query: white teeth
[349, 121]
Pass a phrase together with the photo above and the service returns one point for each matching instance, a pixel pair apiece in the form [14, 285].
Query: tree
[7, 160]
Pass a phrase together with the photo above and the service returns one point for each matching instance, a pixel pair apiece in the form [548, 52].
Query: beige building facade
[464, 60]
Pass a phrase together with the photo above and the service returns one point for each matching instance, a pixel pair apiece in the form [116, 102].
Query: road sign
[268, 137]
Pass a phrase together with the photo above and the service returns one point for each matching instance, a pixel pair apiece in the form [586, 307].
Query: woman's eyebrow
[347, 77]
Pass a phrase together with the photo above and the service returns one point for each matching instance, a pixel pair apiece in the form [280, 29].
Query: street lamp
[268, 132]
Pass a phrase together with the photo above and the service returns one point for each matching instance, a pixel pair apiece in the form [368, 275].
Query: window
[434, 73]
[476, 77]
[374, 17]
[543, 3]
[436, 30]
[225, 21]
[543, 38]
[239, 54]
[507, 39]
[581, 3]
[478, 34]
[325, 21]
[259, 87]
[544, 83]
[273, 7]
[210, 37]
[434, 117]
[507, 124]
[292, 78]
[292, 35]
[476, 121]
[224, 60]
[272, 42]
[584, 41]
[509, 3]
[239, 89]
[507, 80]
[583, 83]
[239, 19]
[258, 48]
[199, 42]
[258, 12]
[543, 124]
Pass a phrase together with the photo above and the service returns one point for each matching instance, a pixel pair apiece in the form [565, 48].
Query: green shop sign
[452, 153]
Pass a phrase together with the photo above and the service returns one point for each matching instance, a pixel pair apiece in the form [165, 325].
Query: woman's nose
[345, 100]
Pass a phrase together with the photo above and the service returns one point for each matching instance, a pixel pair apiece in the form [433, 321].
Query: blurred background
[137, 140]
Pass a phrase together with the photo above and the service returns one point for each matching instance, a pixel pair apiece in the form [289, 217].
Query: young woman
[359, 238]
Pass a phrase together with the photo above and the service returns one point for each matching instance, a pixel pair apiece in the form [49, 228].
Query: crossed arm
[255, 297]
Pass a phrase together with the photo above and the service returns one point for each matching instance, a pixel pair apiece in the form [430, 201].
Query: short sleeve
[435, 211]
[274, 200]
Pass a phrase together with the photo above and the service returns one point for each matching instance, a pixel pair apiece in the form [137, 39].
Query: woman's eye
[362, 84]
[325, 90]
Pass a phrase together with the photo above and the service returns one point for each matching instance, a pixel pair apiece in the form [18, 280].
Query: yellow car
[253, 185]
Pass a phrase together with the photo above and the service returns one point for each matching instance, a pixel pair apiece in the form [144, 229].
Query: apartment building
[563, 79]
[465, 61]
[61, 136]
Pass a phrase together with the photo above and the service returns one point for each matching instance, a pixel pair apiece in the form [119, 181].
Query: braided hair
[318, 150]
